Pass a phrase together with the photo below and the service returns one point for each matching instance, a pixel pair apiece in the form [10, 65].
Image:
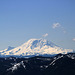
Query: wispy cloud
[55, 25]
[73, 39]
[45, 35]
[58, 25]
[63, 29]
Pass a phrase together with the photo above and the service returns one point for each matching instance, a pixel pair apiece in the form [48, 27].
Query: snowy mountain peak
[9, 48]
[38, 43]
[35, 47]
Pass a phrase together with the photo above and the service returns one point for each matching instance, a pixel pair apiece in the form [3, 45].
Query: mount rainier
[35, 47]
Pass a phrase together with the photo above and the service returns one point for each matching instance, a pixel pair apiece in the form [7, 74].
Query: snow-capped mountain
[35, 47]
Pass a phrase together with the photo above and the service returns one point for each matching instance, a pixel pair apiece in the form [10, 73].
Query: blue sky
[21, 20]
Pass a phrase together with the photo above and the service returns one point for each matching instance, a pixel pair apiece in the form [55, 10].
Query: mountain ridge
[61, 64]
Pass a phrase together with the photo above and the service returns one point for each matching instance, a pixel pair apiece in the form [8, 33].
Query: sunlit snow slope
[35, 47]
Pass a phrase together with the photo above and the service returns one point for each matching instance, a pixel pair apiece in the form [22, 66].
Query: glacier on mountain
[35, 47]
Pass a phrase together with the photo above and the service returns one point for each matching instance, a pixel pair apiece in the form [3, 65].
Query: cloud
[45, 35]
[55, 25]
[73, 39]
[64, 31]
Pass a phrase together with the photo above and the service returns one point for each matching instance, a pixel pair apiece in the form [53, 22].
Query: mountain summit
[35, 47]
